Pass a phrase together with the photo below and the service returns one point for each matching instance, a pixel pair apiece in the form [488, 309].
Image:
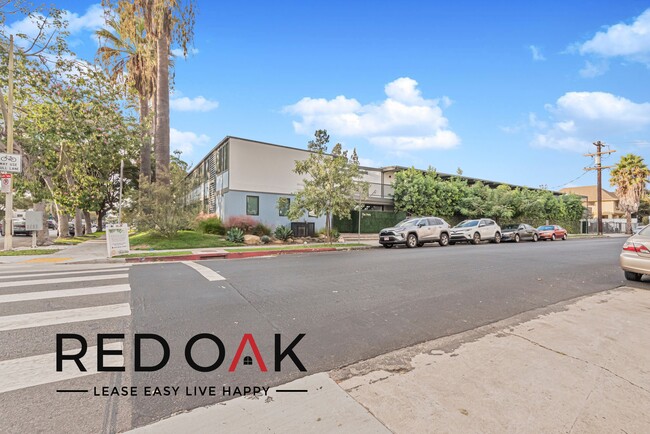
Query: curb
[238, 255]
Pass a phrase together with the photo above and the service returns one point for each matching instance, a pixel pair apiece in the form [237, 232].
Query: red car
[552, 232]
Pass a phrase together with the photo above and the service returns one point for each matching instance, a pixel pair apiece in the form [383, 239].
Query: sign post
[34, 223]
[117, 239]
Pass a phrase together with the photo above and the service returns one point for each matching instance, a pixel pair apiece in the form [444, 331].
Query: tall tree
[167, 23]
[331, 184]
[630, 177]
[130, 59]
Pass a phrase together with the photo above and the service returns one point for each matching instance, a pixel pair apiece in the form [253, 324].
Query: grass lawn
[182, 240]
[293, 247]
[78, 240]
[29, 252]
[139, 255]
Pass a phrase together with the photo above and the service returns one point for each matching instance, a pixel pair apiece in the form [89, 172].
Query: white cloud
[592, 70]
[198, 104]
[186, 141]
[405, 120]
[536, 52]
[579, 118]
[178, 52]
[630, 41]
[91, 20]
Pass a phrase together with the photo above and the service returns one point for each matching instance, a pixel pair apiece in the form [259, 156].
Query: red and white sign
[5, 182]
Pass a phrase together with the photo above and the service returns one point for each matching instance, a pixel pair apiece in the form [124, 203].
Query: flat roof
[382, 169]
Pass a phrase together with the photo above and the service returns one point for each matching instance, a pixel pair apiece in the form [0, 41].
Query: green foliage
[331, 183]
[630, 176]
[265, 239]
[161, 207]
[261, 229]
[425, 193]
[211, 225]
[334, 233]
[283, 233]
[235, 235]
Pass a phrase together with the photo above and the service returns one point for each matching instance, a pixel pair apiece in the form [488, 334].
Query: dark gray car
[416, 231]
[519, 232]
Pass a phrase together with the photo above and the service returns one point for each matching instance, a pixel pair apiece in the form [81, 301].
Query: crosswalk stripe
[41, 319]
[62, 269]
[31, 371]
[59, 273]
[42, 295]
[5, 284]
[206, 272]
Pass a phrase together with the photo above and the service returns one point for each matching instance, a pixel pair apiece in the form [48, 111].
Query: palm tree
[630, 177]
[130, 59]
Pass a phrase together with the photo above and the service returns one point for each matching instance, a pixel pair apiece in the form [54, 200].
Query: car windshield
[545, 228]
[407, 222]
[467, 224]
[510, 227]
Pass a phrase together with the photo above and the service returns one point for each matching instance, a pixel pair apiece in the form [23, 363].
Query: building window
[252, 205]
[283, 206]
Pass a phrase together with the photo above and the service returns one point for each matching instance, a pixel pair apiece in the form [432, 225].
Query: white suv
[475, 231]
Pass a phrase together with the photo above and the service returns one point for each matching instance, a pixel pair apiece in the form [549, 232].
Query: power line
[573, 180]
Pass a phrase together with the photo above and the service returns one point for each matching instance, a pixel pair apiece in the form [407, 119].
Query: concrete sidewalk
[580, 367]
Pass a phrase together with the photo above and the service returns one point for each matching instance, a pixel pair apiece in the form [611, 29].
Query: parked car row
[416, 231]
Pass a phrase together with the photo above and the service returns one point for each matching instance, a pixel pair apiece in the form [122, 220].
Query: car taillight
[638, 248]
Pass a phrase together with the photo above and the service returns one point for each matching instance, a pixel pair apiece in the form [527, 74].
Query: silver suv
[415, 231]
[475, 231]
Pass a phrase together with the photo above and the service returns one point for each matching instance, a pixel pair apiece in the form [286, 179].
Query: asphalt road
[350, 305]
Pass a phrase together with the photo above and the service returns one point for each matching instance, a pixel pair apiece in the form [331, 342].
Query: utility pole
[599, 168]
[9, 122]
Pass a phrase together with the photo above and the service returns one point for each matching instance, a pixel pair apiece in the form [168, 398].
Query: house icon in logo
[248, 360]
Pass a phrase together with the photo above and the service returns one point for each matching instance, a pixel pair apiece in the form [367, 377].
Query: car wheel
[444, 239]
[553, 237]
[635, 277]
[497, 238]
[411, 241]
[517, 238]
[420, 244]
[564, 237]
[388, 246]
[476, 238]
[535, 238]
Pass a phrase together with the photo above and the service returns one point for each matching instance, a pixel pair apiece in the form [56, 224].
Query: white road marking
[35, 370]
[59, 273]
[61, 269]
[206, 272]
[41, 319]
[42, 295]
[5, 284]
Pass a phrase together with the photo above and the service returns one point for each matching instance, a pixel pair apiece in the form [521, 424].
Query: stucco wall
[235, 205]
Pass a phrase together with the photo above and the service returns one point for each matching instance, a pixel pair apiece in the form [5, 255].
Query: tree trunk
[100, 220]
[78, 224]
[64, 221]
[89, 223]
[162, 109]
[145, 150]
[628, 221]
[42, 236]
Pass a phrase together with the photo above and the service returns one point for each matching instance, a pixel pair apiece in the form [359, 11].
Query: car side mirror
[420, 225]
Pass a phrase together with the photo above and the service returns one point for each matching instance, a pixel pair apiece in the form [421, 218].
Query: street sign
[33, 220]
[5, 183]
[11, 163]
[117, 239]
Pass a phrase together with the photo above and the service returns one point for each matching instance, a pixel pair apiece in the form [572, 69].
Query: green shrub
[334, 233]
[211, 225]
[261, 229]
[283, 233]
[265, 239]
[235, 235]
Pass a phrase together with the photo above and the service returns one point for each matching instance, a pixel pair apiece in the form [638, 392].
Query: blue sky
[507, 91]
